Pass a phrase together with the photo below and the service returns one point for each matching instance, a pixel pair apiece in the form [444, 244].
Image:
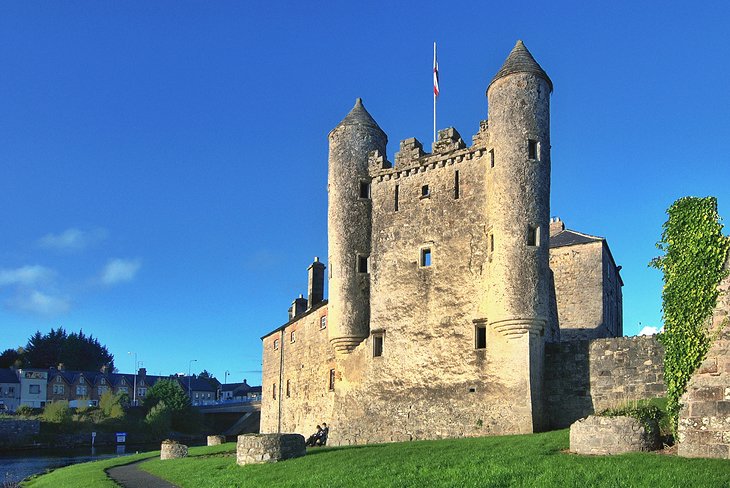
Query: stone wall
[612, 435]
[268, 448]
[583, 377]
[704, 420]
[13, 432]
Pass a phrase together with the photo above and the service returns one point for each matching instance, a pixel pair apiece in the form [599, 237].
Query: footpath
[130, 476]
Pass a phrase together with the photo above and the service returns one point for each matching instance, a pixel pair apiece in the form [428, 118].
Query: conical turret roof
[359, 116]
[521, 61]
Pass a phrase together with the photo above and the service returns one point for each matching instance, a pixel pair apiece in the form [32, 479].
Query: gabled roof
[8, 375]
[195, 383]
[569, 237]
[297, 318]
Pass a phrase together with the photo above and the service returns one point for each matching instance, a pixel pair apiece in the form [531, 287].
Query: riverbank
[527, 460]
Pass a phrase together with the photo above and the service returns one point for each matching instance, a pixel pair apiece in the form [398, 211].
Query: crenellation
[448, 140]
[411, 150]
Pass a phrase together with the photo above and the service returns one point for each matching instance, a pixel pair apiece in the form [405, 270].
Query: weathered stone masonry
[441, 293]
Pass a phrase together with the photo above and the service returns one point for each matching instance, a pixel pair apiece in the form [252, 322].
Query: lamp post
[190, 363]
[134, 393]
[225, 382]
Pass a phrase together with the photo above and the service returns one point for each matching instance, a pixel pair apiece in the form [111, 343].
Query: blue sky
[164, 162]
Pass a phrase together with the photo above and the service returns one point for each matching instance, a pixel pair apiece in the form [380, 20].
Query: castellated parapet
[441, 296]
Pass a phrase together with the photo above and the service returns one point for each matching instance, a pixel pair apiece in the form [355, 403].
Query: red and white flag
[435, 73]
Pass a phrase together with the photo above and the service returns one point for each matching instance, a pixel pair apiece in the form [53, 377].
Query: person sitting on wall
[312, 440]
[322, 440]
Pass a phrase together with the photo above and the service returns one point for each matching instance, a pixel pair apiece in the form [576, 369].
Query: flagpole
[435, 67]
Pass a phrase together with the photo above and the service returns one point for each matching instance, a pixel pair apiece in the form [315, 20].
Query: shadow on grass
[313, 451]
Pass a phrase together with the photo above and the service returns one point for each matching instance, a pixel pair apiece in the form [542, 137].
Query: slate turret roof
[359, 116]
[521, 61]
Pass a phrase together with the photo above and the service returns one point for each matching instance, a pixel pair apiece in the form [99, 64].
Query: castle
[447, 278]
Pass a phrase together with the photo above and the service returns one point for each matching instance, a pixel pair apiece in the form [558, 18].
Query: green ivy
[650, 416]
[693, 265]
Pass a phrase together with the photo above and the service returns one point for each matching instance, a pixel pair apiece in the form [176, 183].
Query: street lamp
[190, 363]
[134, 393]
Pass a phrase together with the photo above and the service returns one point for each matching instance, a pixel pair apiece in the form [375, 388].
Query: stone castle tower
[441, 293]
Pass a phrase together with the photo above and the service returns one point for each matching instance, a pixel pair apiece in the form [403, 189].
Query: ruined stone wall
[704, 420]
[583, 377]
[306, 365]
[14, 432]
[578, 272]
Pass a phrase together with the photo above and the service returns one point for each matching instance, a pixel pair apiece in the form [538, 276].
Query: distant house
[202, 391]
[9, 390]
[240, 392]
[33, 387]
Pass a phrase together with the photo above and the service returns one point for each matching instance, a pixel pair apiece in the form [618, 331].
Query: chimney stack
[298, 306]
[556, 226]
[315, 289]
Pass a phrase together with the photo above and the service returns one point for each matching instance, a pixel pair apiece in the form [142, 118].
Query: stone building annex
[453, 296]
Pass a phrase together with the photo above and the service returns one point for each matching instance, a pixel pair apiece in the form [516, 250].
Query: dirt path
[130, 476]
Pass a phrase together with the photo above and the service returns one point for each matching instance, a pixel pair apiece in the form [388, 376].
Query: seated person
[312, 440]
[322, 439]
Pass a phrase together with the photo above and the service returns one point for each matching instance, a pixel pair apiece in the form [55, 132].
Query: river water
[15, 466]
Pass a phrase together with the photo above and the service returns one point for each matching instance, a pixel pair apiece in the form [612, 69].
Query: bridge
[233, 418]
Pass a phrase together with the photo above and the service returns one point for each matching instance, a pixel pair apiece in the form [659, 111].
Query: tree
[11, 358]
[205, 375]
[76, 351]
[168, 397]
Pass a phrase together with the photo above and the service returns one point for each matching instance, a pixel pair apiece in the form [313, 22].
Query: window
[293, 339]
[276, 344]
[456, 185]
[11, 390]
[425, 259]
[58, 389]
[103, 381]
[288, 388]
[533, 149]
[141, 392]
[480, 336]
[81, 390]
[102, 390]
[362, 263]
[273, 391]
[533, 235]
[396, 198]
[377, 345]
[123, 389]
[58, 379]
[332, 380]
[323, 322]
[491, 158]
[491, 242]
[425, 192]
[364, 190]
[196, 395]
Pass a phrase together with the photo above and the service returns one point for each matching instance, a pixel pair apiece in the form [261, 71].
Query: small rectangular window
[425, 257]
[293, 337]
[276, 344]
[332, 380]
[273, 391]
[533, 235]
[425, 192]
[456, 185]
[362, 263]
[323, 322]
[491, 158]
[288, 388]
[480, 336]
[396, 198]
[491, 242]
[364, 189]
[532, 149]
[377, 345]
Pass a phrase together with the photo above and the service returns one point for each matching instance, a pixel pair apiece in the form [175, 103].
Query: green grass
[531, 460]
[86, 475]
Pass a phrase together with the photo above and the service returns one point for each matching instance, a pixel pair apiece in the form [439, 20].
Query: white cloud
[120, 271]
[72, 239]
[25, 275]
[648, 330]
[39, 303]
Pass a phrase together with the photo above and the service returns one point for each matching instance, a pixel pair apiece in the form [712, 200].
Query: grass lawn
[530, 460]
[86, 475]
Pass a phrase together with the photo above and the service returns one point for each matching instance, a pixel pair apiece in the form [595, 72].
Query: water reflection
[15, 466]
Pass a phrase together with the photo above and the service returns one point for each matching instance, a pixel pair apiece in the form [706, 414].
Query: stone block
[173, 450]
[216, 440]
[611, 435]
[268, 448]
